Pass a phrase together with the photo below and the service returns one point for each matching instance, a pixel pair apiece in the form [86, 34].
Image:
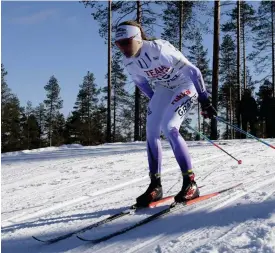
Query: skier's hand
[207, 110]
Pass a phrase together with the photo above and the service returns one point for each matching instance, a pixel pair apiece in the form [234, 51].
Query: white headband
[128, 31]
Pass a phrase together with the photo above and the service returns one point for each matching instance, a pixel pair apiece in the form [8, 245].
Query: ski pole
[244, 132]
[216, 145]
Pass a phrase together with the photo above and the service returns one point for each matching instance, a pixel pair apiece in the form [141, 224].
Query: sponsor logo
[157, 72]
[185, 106]
[121, 29]
[120, 32]
[180, 96]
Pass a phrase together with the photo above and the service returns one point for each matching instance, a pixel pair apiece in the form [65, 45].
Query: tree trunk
[40, 129]
[215, 74]
[199, 121]
[28, 128]
[233, 120]
[238, 68]
[109, 71]
[114, 128]
[230, 112]
[180, 25]
[273, 46]
[89, 119]
[137, 91]
[244, 58]
[227, 119]
[51, 122]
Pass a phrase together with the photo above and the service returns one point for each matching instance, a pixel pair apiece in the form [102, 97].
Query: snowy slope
[49, 192]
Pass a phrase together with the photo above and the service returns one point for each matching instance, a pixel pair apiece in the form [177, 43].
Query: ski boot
[189, 188]
[153, 193]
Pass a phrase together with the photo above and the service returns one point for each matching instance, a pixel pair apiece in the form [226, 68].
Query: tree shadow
[67, 153]
[101, 150]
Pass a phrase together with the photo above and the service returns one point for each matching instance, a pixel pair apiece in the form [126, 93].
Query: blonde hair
[134, 23]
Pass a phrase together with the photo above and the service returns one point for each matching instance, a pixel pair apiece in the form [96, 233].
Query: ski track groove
[150, 241]
[224, 200]
[143, 245]
[38, 213]
[198, 233]
[228, 232]
[162, 243]
[235, 227]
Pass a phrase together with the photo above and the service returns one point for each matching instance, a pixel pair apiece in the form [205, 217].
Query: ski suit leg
[156, 109]
[180, 105]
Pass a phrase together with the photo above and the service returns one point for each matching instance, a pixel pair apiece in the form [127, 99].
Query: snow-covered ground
[49, 192]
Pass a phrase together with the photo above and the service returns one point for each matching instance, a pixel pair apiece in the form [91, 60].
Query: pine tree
[198, 56]
[215, 68]
[128, 118]
[119, 96]
[267, 107]
[109, 73]
[85, 105]
[72, 132]
[250, 83]
[5, 93]
[265, 88]
[10, 116]
[5, 90]
[53, 104]
[99, 124]
[173, 26]
[28, 112]
[34, 132]
[29, 128]
[123, 10]
[263, 39]
[40, 114]
[144, 13]
[58, 130]
[10, 125]
[247, 21]
[24, 141]
[228, 77]
[24, 121]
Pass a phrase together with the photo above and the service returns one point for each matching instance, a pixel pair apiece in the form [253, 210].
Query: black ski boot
[189, 188]
[153, 193]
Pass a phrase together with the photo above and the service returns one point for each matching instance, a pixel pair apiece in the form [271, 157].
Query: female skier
[177, 85]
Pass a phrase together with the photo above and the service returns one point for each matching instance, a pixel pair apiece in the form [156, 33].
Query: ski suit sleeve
[197, 79]
[171, 57]
[142, 83]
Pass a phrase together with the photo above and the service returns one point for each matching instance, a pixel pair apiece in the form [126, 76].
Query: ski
[172, 208]
[130, 210]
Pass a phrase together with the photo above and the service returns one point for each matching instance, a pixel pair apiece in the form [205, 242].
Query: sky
[41, 39]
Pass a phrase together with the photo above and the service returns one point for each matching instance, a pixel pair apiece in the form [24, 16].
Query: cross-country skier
[177, 85]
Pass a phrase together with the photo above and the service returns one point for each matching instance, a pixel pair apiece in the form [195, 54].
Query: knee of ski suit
[169, 130]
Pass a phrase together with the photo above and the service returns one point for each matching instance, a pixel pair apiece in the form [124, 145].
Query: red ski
[173, 207]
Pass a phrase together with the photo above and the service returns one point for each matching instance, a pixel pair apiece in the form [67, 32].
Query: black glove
[207, 110]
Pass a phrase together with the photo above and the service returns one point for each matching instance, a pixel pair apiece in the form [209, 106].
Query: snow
[51, 191]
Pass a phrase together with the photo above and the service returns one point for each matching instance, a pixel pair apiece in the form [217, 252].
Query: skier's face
[129, 47]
